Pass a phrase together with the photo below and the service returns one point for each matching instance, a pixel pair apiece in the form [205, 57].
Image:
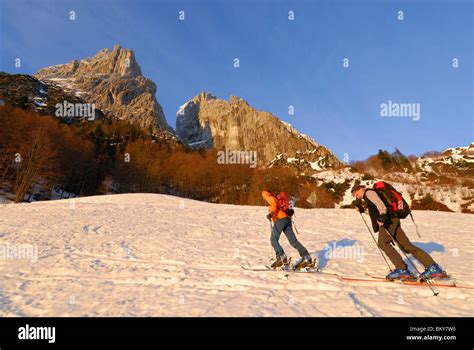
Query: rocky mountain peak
[235, 100]
[206, 122]
[203, 96]
[113, 80]
[119, 62]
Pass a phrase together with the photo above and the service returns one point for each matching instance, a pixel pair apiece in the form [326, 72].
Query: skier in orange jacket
[280, 213]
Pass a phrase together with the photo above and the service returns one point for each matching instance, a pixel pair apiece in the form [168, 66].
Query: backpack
[284, 203]
[392, 199]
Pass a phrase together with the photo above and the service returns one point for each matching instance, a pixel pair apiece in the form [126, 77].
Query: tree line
[40, 153]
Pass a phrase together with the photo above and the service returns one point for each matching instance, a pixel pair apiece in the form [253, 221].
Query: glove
[383, 218]
[360, 209]
[384, 221]
[269, 216]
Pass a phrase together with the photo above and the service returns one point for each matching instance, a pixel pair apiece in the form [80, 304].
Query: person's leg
[410, 248]
[275, 236]
[384, 242]
[290, 235]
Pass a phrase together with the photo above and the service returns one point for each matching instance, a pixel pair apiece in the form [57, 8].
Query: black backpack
[392, 199]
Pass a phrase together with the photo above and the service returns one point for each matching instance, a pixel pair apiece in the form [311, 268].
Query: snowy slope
[156, 255]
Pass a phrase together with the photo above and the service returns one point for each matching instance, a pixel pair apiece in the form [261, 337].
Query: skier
[280, 215]
[385, 221]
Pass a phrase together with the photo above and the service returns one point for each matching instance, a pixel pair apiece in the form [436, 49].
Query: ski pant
[284, 225]
[384, 242]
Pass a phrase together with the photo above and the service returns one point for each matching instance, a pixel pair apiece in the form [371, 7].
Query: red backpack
[393, 199]
[284, 203]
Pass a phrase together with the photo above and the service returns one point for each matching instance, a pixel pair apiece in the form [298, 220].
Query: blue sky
[282, 62]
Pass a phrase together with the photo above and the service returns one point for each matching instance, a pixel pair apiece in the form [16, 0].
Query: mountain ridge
[113, 80]
[206, 121]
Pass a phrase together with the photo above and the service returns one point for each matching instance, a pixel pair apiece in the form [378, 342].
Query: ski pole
[293, 220]
[411, 262]
[416, 227]
[271, 235]
[294, 225]
[380, 250]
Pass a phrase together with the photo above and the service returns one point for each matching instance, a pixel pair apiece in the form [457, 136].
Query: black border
[360, 332]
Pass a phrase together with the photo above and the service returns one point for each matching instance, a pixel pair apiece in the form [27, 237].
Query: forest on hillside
[41, 153]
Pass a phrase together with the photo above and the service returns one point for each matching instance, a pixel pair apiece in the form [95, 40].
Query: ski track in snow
[157, 255]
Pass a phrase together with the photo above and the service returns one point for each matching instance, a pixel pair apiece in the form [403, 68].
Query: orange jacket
[273, 206]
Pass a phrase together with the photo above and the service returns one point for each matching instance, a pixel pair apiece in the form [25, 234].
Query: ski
[373, 279]
[289, 269]
[434, 282]
[259, 269]
[407, 283]
[268, 268]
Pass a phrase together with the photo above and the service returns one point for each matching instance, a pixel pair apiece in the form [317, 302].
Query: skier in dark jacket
[385, 222]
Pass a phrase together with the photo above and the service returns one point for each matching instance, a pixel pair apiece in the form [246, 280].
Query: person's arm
[382, 209]
[273, 208]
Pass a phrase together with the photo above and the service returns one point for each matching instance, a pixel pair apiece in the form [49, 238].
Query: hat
[355, 188]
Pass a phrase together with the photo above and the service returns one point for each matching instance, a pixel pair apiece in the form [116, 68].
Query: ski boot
[304, 263]
[433, 272]
[281, 262]
[400, 274]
